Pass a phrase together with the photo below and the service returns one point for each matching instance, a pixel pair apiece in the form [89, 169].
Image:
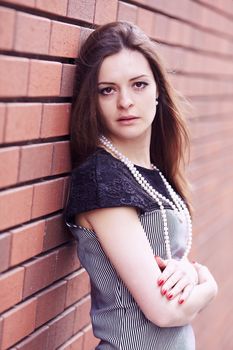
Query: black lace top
[103, 181]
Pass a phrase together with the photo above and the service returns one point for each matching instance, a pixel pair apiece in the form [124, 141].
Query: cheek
[150, 111]
[148, 103]
[106, 108]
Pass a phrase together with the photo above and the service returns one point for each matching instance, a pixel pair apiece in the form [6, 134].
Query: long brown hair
[169, 138]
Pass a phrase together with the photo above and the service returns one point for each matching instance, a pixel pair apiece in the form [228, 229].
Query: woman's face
[126, 95]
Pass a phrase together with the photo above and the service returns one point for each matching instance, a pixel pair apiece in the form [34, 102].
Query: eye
[106, 91]
[140, 85]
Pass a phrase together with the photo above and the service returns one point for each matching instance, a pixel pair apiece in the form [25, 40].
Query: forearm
[118, 230]
[175, 315]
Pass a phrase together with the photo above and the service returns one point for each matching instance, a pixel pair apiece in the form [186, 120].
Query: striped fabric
[116, 318]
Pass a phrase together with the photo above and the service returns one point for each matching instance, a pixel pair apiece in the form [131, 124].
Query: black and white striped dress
[103, 181]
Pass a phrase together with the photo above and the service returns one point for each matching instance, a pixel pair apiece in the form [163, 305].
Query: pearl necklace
[177, 204]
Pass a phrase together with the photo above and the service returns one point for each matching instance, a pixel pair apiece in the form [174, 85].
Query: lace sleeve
[104, 182]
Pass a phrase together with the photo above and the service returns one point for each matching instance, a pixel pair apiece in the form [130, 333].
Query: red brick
[18, 203]
[208, 19]
[60, 329]
[66, 189]
[175, 31]
[1, 326]
[30, 3]
[36, 161]
[64, 40]
[161, 27]
[10, 68]
[186, 35]
[78, 285]
[171, 8]
[127, 12]
[82, 314]
[89, 340]
[57, 7]
[18, 323]
[145, 20]
[2, 120]
[82, 9]
[5, 245]
[9, 160]
[39, 273]
[56, 233]
[36, 341]
[45, 78]
[54, 297]
[22, 121]
[68, 73]
[14, 348]
[48, 197]
[11, 287]
[226, 6]
[27, 241]
[7, 21]
[32, 33]
[61, 157]
[84, 34]
[67, 260]
[105, 11]
[74, 343]
[55, 119]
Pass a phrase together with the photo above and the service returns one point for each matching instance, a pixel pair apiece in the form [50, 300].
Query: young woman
[127, 202]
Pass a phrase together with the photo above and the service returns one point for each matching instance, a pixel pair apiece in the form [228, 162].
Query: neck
[136, 150]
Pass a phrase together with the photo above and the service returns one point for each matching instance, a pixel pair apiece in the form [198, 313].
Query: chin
[129, 135]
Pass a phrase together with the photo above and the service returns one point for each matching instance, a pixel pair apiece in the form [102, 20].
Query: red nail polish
[160, 282]
[181, 301]
[169, 296]
[164, 291]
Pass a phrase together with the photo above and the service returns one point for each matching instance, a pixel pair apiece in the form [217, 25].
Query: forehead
[126, 63]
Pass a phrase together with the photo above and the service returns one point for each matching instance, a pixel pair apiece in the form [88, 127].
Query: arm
[178, 279]
[125, 243]
[199, 297]
[204, 277]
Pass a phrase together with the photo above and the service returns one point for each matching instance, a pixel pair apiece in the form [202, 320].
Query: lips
[127, 118]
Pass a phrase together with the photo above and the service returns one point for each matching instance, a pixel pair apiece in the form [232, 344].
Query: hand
[204, 276]
[178, 277]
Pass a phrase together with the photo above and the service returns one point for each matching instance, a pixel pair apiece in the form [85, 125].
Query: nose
[124, 100]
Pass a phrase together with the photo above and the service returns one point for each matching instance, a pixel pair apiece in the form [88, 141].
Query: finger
[186, 293]
[167, 272]
[198, 266]
[161, 262]
[171, 282]
[178, 288]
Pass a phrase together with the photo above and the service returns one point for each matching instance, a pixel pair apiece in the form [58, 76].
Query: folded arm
[126, 245]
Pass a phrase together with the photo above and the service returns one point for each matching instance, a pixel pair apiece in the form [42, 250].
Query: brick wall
[44, 293]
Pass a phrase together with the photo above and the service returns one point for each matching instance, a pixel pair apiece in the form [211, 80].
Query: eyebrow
[138, 77]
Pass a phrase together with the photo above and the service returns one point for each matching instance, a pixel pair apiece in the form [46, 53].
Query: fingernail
[169, 296]
[160, 282]
[181, 301]
[164, 291]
